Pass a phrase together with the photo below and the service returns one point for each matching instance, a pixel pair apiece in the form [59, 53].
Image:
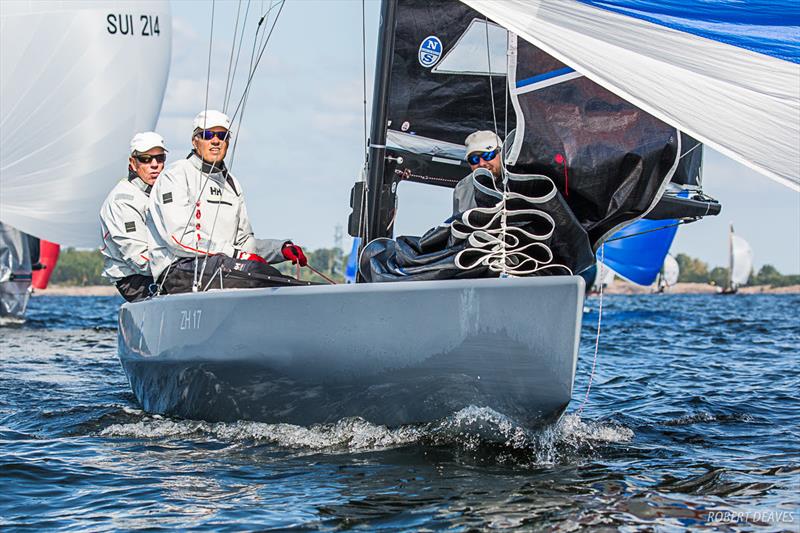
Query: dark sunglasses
[146, 158]
[207, 135]
[474, 159]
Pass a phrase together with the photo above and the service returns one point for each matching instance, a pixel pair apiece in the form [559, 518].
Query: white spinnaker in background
[607, 274]
[671, 271]
[742, 260]
[742, 103]
[72, 94]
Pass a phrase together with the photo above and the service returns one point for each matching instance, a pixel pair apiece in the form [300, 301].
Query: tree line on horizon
[85, 267]
[696, 271]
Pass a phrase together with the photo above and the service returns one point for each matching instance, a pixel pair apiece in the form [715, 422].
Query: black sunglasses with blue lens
[475, 158]
[207, 135]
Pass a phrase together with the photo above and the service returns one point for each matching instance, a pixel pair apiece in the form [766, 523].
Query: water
[692, 421]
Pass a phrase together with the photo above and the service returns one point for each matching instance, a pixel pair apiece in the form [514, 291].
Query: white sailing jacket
[122, 223]
[193, 213]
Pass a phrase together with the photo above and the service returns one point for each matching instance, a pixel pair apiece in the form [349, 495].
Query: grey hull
[392, 353]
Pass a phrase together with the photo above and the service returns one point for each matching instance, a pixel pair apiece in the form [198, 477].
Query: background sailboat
[670, 272]
[740, 264]
[72, 94]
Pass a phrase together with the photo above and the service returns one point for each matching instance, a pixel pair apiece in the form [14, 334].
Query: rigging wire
[230, 60]
[213, 167]
[233, 153]
[489, 72]
[504, 215]
[690, 150]
[597, 336]
[236, 62]
[210, 43]
[253, 68]
[647, 231]
[364, 66]
[508, 87]
[256, 44]
[205, 107]
[364, 218]
[260, 55]
[245, 94]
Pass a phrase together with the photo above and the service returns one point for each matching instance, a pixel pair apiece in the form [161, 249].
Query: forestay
[73, 93]
[726, 73]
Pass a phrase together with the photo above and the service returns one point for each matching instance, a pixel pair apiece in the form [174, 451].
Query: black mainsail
[452, 71]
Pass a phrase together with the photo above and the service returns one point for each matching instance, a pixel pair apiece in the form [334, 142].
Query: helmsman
[197, 211]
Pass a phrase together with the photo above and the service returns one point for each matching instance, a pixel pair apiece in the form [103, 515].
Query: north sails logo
[130, 227]
[430, 50]
[166, 197]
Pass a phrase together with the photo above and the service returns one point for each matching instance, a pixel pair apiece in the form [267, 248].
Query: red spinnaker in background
[48, 257]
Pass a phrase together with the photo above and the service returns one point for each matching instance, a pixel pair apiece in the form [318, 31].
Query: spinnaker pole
[377, 138]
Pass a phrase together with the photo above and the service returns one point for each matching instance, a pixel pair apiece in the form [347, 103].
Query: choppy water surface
[692, 421]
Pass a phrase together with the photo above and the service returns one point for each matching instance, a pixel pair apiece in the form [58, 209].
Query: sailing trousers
[221, 272]
[135, 287]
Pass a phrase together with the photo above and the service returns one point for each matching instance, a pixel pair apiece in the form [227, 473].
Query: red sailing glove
[252, 257]
[294, 253]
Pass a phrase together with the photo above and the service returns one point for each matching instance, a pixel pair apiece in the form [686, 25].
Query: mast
[377, 138]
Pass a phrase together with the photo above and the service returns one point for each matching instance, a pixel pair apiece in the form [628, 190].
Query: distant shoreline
[76, 290]
[618, 287]
[624, 287]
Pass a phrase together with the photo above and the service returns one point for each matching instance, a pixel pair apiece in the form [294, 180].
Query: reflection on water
[692, 423]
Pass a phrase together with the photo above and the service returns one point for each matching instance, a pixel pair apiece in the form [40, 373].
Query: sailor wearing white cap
[197, 209]
[483, 151]
[122, 218]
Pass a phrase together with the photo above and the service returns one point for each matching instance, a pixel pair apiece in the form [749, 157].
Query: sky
[300, 146]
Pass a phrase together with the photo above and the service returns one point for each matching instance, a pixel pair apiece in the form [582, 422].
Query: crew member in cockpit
[122, 218]
[197, 210]
[484, 150]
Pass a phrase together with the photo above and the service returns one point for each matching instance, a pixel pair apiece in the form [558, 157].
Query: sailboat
[740, 262]
[415, 351]
[70, 100]
[670, 272]
[26, 262]
[15, 272]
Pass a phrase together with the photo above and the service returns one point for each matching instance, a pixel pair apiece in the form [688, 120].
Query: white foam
[470, 428]
[349, 434]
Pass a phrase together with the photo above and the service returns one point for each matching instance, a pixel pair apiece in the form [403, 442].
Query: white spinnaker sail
[695, 73]
[77, 80]
[671, 271]
[742, 260]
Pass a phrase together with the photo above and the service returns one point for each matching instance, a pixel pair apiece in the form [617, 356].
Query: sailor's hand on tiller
[294, 253]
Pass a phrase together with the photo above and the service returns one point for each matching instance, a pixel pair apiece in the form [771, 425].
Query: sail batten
[743, 103]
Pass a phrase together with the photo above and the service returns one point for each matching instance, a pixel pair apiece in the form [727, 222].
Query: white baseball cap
[211, 118]
[482, 141]
[144, 141]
